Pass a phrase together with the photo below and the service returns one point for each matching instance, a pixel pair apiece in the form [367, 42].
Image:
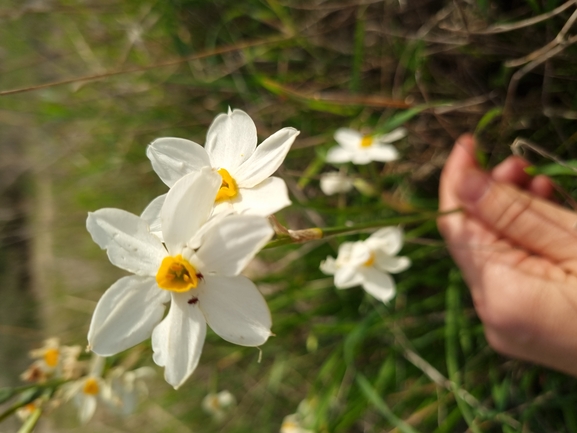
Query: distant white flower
[87, 390]
[335, 182]
[196, 267]
[369, 263]
[292, 424]
[361, 149]
[24, 412]
[52, 360]
[128, 387]
[231, 150]
[217, 404]
[302, 418]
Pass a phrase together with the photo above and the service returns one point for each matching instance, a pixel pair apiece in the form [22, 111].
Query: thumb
[537, 225]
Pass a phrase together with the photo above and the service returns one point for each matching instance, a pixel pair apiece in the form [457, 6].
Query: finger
[461, 158]
[537, 225]
[512, 170]
[542, 187]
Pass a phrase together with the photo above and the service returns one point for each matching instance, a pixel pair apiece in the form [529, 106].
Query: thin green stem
[316, 233]
[373, 397]
[451, 345]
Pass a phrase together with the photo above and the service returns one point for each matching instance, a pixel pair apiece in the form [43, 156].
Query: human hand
[517, 251]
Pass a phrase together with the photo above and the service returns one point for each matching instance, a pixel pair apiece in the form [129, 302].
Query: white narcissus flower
[361, 149]
[87, 390]
[217, 404]
[368, 263]
[292, 424]
[231, 150]
[196, 267]
[302, 418]
[335, 182]
[52, 360]
[128, 387]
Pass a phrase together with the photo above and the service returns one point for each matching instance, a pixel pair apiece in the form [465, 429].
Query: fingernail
[473, 186]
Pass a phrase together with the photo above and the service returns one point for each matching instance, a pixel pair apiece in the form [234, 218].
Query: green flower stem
[29, 393]
[287, 237]
[31, 421]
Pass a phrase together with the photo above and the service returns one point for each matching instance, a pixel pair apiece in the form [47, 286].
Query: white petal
[392, 265]
[378, 284]
[345, 251]
[126, 315]
[127, 239]
[229, 245]
[382, 153]
[359, 254]
[392, 136]
[87, 408]
[231, 140]
[177, 341]
[235, 310]
[348, 138]
[266, 159]
[188, 205]
[339, 155]
[151, 214]
[172, 158]
[264, 199]
[335, 182]
[388, 239]
[346, 277]
[328, 266]
[362, 156]
[198, 237]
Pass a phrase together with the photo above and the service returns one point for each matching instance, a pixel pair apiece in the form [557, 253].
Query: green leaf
[487, 118]
[381, 406]
[400, 118]
[6, 394]
[569, 168]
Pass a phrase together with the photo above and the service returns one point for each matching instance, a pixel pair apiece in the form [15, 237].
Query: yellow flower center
[176, 274]
[367, 141]
[228, 189]
[90, 386]
[370, 261]
[51, 357]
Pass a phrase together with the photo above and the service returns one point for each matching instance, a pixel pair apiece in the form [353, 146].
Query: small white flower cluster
[368, 263]
[83, 384]
[190, 245]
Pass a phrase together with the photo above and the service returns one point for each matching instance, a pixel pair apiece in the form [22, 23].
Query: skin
[517, 250]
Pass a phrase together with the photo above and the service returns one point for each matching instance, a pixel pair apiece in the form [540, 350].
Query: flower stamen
[228, 190]
[366, 141]
[51, 357]
[91, 386]
[176, 274]
[370, 261]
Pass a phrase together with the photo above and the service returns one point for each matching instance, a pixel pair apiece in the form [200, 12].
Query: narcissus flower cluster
[190, 245]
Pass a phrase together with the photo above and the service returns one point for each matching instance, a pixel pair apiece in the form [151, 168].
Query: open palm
[518, 254]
